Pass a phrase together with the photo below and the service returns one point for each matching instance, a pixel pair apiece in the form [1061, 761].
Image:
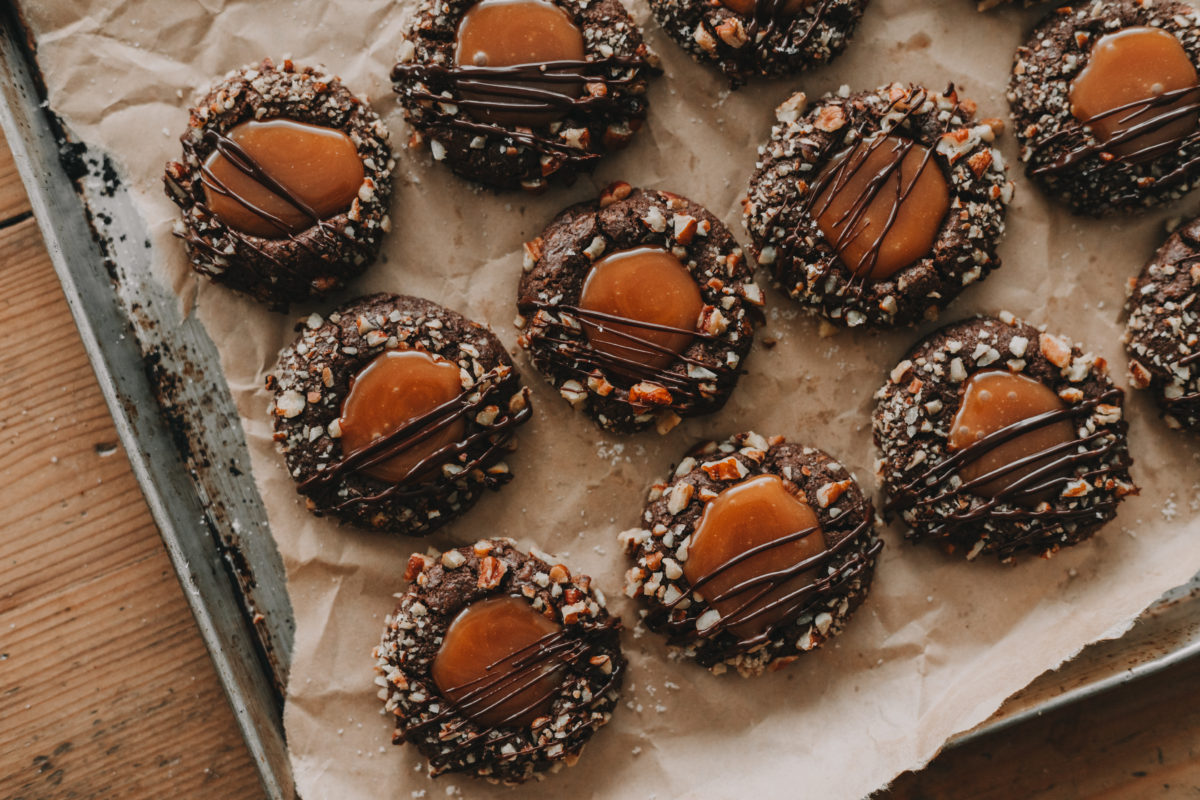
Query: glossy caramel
[918, 196]
[994, 399]
[318, 166]
[754, 512]
[395, 388]
[646, 284]
[1124, 67]
[504, 33]
[489, 664]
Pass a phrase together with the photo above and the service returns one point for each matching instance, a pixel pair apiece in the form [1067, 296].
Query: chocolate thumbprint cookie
[638, 307]
[512, 92]
[1163, 331]
[878, 208]
[284, 183]
[995, 437]
[753, 551]
[396, 413]
[769, 38]
[1106, 103]
[497, 663]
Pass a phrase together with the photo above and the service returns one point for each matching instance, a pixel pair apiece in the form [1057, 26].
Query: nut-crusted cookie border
[442, 587]
[313, 376]
[1038, 95]
[556, 265]
[1162, 333]
[658, 550]
[743, 47]
[911, 425]
[509, 156]
[788, 242]
[326, 255]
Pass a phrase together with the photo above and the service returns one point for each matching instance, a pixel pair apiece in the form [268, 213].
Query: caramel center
[506, 33]
[995, 399]
[1115, 93]
[647, 285]
[752, 513]
[280, 177]
[491, 664]
[881, 205]
[392, 391]
[748, 8]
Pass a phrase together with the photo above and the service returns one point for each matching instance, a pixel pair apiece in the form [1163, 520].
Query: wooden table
[106, 690]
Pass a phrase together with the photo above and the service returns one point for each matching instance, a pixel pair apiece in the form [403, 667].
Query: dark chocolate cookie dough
[581, 641]
[317, 372]
[806, 601]
[770, 38]
[587, 106]
[299, 252]
[558, 330]
[1163, 331]
[1073, 159]
[800, 181]
[952, 481]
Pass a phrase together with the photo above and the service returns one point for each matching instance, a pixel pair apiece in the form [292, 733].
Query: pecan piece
[491, 571]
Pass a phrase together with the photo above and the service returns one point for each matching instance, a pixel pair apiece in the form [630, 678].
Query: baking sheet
[938, 645]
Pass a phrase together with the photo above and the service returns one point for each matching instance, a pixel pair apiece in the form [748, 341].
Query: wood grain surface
[106, 690]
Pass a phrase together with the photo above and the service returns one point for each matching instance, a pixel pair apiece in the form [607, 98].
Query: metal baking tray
[161, 378]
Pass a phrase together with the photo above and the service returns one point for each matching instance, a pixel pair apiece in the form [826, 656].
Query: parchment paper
[938, 644]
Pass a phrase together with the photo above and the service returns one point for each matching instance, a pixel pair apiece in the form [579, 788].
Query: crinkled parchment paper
[938, 644]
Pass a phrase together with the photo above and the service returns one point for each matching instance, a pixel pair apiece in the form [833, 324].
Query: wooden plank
[13, 201]
[106, 690]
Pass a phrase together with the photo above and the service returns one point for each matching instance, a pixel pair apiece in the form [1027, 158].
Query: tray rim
[1187, 595]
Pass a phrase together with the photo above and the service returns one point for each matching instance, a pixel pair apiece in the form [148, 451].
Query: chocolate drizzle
[769, 17]
[556, 651]
[1183, 400]
[1088, 146]
[836, 181]
[682, 628]
[837, 178]
[480, 448]
[1102, 451]
[609, 82]
[1185, 403]
[243, 161]
[564, 344]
